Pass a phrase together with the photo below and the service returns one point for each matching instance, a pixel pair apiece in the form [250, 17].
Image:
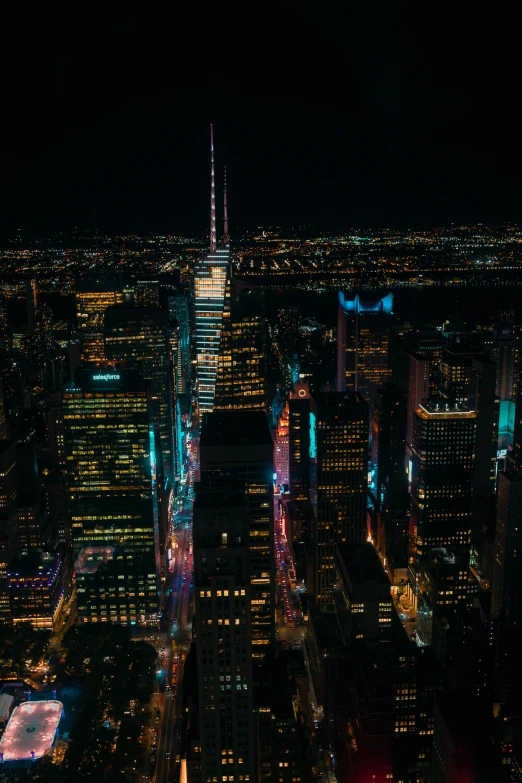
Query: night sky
[331, 114]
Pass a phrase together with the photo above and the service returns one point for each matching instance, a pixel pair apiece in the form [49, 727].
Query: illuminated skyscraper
[456, 371]
[109, 446]
[92, 299]
[442, 475]
[302, 444]
[239, 444]
[342, 448]
[240, 382]
[223, 629]
[37, 588]
[281, 450]
[210, 278]
[363, 344]
[138, 338]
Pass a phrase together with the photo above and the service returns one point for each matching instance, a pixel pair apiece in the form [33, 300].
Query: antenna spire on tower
[213, 242]
[226, 238]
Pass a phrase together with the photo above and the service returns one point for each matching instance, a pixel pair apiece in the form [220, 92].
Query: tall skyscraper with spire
[209, 296]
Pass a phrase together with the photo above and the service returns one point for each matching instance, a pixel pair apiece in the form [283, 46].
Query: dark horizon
[348, 118]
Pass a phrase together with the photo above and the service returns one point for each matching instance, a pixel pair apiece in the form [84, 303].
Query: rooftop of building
[99, 284]
[91, 557]
[235, 428]
[435, 407]
[119, 313]
[335, 398]
[38, 563]
[365, 304]
[325, 628]
[447, 556]
[362, 563]
[113, 561]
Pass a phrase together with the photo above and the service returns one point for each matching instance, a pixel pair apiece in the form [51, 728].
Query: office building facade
[239, 444]
[37, 588]
[137, 337]
[389, 427]
[179, 313]
[92, 299]
[210, 280]
[288, 330]
[364, 344]
[363, 602]
[507, 546]
[223, 629]
[302, 445]
[418, 391]
[443, 455]
[342, 446]
[110, 463]
[9, 539]
[241, 374]
[281, 451]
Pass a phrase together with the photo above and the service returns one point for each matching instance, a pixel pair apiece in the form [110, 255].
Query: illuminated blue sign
[106, 377]
[506, 419]
[313, 436]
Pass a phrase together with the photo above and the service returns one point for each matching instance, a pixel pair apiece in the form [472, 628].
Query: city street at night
[177, 643]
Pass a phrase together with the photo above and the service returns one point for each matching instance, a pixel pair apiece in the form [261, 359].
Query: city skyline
[261, 472]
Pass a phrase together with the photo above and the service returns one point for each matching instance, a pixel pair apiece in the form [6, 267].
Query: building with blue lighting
[37, 588]
[363, 344]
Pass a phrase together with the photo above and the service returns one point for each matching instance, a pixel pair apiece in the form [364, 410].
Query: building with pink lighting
[31, 730]
[281, 454]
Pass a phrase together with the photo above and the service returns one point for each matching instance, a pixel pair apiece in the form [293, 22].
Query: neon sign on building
[106, 377]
